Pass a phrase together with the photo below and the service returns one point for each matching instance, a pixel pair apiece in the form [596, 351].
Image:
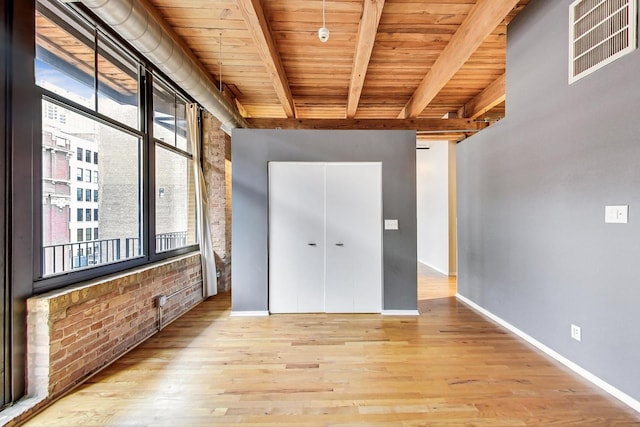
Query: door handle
[312, 244]
[339, 244]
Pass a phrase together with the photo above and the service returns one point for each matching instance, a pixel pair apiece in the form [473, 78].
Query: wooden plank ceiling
[393, 59]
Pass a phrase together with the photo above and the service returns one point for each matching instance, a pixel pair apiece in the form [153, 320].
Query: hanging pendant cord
[220, 62]
[324, 24]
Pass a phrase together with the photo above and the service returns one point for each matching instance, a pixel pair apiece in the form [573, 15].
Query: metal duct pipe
[139, 26]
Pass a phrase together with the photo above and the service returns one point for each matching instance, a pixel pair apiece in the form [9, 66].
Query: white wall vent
[600, 32]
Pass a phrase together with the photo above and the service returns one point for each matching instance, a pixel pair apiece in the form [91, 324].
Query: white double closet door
[325, 237]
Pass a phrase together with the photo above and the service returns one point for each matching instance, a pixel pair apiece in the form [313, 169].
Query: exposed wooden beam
[364, 46]
[483, 19]
[258, 26]
[493, 95]
[449, 136]
[426, 126]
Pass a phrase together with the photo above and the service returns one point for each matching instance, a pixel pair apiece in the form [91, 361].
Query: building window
[95, 158]
[52, 112]
[88, 232]
[79, 194]
[95, 233]
[79, 153]
[79, 174]
[87, 156]
[79, 235]
[120, 191]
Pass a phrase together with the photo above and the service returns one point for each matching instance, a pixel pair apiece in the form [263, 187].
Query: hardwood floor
[447, 367]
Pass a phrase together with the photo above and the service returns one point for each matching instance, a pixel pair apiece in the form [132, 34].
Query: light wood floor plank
[447, 367]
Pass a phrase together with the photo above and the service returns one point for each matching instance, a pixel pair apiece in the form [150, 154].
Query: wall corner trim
[400, 313]
[620, 395]
[249, 313]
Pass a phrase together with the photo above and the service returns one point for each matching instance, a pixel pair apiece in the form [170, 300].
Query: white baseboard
[436, 269]
[400, 313]
[266, 313]
[249, 313]
[620, 395]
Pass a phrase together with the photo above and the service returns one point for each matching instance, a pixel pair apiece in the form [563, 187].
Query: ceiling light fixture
[323, 32]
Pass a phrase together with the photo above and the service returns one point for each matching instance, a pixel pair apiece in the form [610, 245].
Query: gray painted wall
[533, 245]
[253, 149]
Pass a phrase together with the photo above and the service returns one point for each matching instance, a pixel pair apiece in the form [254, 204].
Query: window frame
[171, 147]
[146, 75]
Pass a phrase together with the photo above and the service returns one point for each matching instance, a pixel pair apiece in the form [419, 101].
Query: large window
[96, 84]
[120, 201]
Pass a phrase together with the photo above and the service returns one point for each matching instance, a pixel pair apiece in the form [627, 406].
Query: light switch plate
[616, 214]
[390, 224]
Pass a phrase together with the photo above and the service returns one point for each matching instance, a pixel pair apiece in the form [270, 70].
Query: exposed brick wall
[217, 173]
[74, 332]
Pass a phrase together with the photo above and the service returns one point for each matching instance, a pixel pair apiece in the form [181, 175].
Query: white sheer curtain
[209, 281]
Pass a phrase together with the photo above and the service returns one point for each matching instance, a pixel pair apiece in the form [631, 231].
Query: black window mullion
[95, 69]
[175, 119]
[149, 201]
[22, 151]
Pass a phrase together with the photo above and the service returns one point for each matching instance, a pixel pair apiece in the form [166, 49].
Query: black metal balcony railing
[168, 241]
[69, 256]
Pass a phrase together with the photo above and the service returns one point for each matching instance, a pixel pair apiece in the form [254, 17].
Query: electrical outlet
[576, 333]
[616, 214]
